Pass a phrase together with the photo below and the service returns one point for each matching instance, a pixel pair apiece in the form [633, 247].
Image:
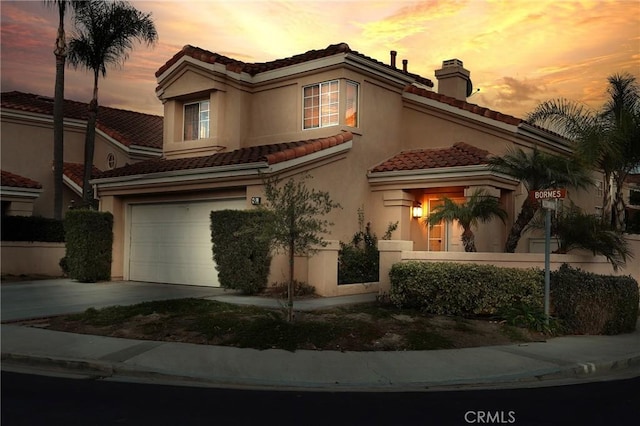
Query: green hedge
[32, 228]
[463, 289]
[89, 244]
[240, 249]
[587, 303]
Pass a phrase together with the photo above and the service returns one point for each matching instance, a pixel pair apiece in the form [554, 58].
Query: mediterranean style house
[26, 136]
[374, 135]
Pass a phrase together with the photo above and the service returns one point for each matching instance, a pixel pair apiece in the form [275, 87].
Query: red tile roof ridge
[258, 67]
[309, 147]
[75, 172]
[466, 106]
[13, 180]
[270, 154]
[458, 154]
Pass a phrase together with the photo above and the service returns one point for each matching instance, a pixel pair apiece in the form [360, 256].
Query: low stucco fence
[31, 258]
[394, 251]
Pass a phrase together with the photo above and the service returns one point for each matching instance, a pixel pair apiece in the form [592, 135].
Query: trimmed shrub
[32, 228]
[89, 245]
[463, 289]
[359, 261]
[588, 303]
[240, 249]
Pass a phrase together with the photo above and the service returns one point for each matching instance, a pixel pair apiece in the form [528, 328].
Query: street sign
[547, 194]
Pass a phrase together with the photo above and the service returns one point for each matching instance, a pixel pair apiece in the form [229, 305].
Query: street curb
[583, 369]
[122, 372]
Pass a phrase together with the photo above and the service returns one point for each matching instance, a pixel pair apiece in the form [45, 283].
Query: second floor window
[321, 105]
[196, 120]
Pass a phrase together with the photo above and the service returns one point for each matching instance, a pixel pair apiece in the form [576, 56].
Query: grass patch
[365, 327]
[423, 340]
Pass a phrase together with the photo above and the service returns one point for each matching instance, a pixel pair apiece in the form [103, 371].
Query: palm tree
[479, 208]
[606, 139]
[60, 53]
[576, 230]
[105, 34]
[537, 170]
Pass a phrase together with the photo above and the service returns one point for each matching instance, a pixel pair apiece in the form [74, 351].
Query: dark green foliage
[532, 317]
[89, 244]
[32, 228]
[594, 304]
[359, 261]
[240, 250]
[300, 288]
[576, 230]
[463, 289]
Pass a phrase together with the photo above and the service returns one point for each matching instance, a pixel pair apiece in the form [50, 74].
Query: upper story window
[196, 120]
[321, 104]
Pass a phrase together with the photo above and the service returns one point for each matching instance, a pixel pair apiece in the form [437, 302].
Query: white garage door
[171, 242]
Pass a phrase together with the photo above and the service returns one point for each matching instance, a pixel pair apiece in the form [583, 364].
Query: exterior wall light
[417, 211]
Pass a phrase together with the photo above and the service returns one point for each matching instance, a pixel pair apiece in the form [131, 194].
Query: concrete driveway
[34, 299]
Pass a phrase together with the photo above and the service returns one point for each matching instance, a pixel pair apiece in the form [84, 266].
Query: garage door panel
[172, 242]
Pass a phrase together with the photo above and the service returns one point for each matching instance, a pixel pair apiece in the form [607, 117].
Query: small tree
[298, 221]
[479, 208]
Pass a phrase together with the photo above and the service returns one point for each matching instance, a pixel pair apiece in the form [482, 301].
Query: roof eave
[460, 112]
[220, 172]
[438, 174]
[541, 135]
[18, 192]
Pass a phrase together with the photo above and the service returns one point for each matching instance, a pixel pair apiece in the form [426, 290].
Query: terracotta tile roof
[16, 181]
[485, 112]
[259, 67]
[127, 127]
[75, 172]
[270, 154]
[460, 154]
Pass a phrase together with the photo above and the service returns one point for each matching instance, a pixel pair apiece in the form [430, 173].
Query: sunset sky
[519, 52]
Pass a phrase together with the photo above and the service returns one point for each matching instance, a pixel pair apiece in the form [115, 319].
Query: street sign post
[549, 200]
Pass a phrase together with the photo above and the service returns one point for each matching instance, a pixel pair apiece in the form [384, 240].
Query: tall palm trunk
[58, 115]
[468, 240]
[527, 212]
[619, 205]
[89, 144]
[606, 199]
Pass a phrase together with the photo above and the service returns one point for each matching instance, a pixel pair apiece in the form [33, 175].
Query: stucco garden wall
[32, 258]
[399, 251]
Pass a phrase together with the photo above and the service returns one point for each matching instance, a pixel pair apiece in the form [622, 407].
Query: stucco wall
[32, 258]
[27, 150]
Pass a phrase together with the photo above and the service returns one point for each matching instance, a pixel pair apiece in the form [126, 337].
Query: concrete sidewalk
[123, 359]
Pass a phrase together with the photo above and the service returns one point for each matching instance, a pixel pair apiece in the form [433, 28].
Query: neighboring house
[122, 137]
[373, 135]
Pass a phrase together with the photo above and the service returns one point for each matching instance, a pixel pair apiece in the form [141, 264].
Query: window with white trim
[196, 120]
[321, 105]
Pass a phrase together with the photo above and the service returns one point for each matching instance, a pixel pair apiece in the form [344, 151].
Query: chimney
[393, 58]
[453, 80]
[405, 62]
